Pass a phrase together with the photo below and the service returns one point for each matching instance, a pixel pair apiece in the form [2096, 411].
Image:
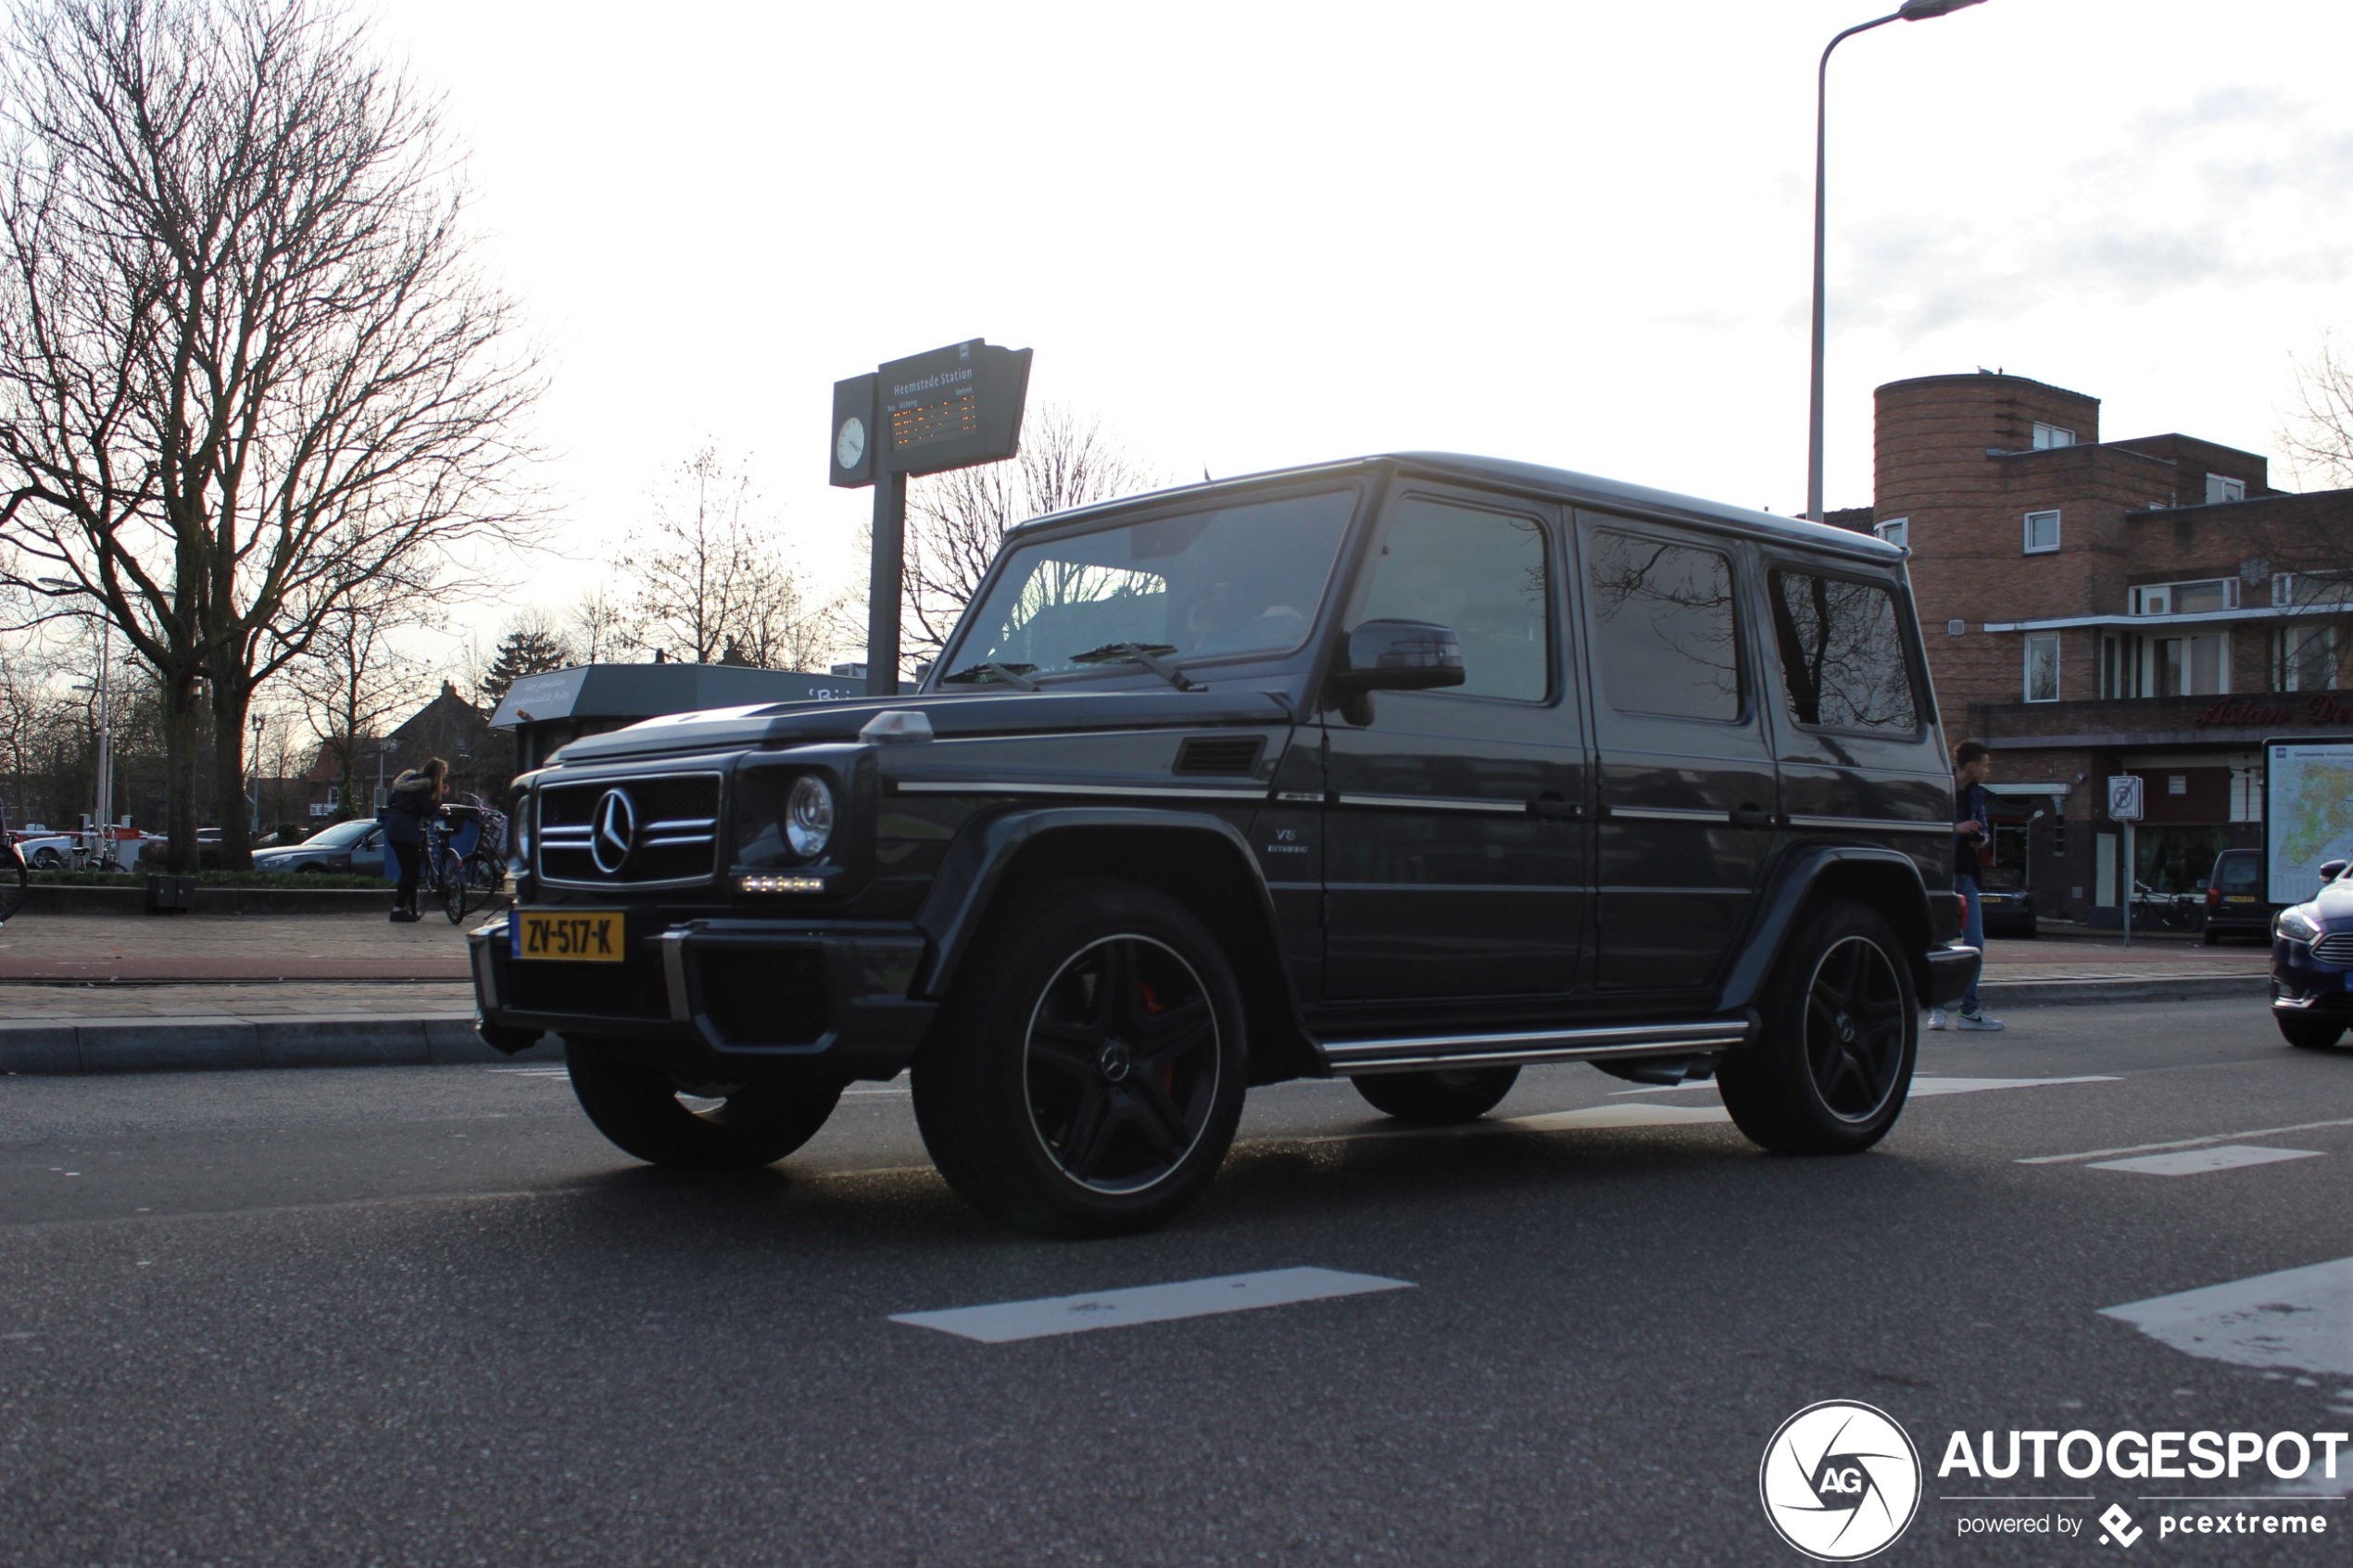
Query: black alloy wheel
[1087, 1077]
[1441, 1096]
[693, 1126]
[2309, 1034]
[1832, 1068]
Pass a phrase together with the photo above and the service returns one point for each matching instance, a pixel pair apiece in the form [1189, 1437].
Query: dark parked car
[1413, 770]
[356, 846]
[2234, 901]
[2009, 911]
[2313, 964]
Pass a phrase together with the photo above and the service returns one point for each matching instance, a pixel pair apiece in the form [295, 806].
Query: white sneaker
[1978, 1019]
[1936, 1018]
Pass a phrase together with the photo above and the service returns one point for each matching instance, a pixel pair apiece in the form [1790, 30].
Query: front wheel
[1087, 1077]
[453, 892]
[730, 1127]
[1831, 1070]
[2309, 1033]
[1445, 1095]
[12, 886]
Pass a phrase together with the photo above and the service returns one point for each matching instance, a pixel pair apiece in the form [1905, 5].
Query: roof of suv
[1538, 479]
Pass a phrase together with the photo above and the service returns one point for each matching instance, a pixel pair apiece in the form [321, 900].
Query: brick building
[2150, 606]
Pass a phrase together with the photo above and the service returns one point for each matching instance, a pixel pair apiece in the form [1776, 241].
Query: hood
[994, 713]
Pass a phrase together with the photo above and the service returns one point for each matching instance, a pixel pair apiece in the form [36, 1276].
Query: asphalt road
[426, 1316]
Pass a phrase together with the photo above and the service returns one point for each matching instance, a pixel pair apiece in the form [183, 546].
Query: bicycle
[14, 876]
[444, 875]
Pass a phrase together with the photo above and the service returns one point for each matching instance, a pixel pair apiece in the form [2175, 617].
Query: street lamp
[1910, 11]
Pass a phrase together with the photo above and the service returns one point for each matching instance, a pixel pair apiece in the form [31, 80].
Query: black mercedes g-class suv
[1413, 769]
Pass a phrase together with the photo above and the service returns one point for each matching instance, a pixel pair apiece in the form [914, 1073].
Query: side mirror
[1394, 655]
[2332, 870]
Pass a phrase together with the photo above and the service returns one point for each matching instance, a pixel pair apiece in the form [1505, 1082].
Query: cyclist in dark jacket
[416, 796]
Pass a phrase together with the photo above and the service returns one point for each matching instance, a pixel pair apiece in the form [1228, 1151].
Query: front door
[1454, 839]
[1686, 781]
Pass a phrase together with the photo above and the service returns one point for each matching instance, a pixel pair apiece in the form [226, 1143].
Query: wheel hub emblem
[1115, 1062]
[615, 826]
[1845, 1030]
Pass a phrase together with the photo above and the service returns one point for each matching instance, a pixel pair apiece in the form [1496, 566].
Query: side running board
[1414, 1053]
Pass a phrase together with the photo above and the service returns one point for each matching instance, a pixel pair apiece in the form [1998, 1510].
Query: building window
[2223, 487]
[2120, 665]
[2041, 532]
[2042, 668]
[2187, 665]
[2048, 436]
[1897, 531]
[2203, 598]
[2305, 660]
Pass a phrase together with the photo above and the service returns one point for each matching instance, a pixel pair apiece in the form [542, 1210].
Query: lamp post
[1910, 11]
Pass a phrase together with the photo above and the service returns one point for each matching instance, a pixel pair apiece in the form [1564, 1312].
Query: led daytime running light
[773, 883]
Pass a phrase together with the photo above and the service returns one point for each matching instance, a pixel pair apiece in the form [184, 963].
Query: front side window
[1240, 578]
[2043, 669]
[1842, 654]
[1663, 627]
[1481, 573]
[2041, 532]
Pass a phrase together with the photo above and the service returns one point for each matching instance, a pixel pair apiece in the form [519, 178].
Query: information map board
[2307, 814]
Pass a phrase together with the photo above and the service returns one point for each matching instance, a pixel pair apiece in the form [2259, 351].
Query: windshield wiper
[1138, 653]
[1014, 675]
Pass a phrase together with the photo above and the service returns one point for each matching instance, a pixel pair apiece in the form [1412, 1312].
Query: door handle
[1554, 807]
[1746, 816]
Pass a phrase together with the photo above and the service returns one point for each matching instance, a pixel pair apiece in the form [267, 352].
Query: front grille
[2336, 947]
[674, 836]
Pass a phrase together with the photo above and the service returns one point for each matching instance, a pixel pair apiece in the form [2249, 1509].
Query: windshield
[338, 835]
[1240, 579]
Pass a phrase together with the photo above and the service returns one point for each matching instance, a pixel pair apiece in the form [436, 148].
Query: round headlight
[808, 816]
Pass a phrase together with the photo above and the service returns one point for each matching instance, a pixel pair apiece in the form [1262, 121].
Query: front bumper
[721, 999]
[2303, 987]
[1950, 968]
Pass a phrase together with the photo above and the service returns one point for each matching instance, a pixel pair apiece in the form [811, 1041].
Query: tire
[2213, 937]
[313, 868]
[1462, 1094]
[453, 894]
[638, 1108]
[1830, 1071]
[13, 880]
[2309, 1034]
[1086, 1076]
[48, 860]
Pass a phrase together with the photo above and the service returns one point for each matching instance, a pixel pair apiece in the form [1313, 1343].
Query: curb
[2155, 988]
[201, 1045]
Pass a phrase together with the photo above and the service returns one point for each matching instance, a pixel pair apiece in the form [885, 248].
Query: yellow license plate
[2238, 898]
[570, 935]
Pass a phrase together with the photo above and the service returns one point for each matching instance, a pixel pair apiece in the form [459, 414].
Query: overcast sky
[1259, 234]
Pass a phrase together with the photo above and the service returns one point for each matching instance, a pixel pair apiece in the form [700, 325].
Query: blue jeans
[1972, 932]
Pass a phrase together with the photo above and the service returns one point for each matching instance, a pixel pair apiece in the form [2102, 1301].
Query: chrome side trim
[1434, 803]
[1665, 814]
[1871, 824]
[1007, 786]
[1405, 1054]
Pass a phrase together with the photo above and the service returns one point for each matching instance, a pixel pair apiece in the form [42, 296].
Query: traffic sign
[2124, 798]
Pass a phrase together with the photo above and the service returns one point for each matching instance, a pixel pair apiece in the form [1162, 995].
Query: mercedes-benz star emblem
[616, 830]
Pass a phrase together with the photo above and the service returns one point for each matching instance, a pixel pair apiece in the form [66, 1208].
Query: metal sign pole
[2129, 881]
[883, 586]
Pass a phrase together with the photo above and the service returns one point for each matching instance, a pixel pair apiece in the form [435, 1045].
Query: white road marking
[1924, 1087]
[1619, 1116]
[2197, 1161]
[1007, 1320]
[2185, 1143]
[2296, 1319]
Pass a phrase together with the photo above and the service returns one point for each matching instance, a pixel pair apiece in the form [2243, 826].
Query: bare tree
[2318, 434]
[355, 678]
[246, 370]
[711, 587]
[956, 520]
[594, 626]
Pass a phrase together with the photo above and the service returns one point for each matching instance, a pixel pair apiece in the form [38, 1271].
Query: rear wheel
[694, 1126]
[12, 885]
[48, 860]
[1841, 1032]
[1087, 1076]
[2309, 1034]
[1456, 1094]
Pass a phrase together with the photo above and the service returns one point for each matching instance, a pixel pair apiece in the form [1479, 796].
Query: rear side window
[1663, 627]
[1841, 655]
[1481, 573]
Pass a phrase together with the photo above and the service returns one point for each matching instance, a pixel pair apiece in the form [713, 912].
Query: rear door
[1685, 766]
[1454, 838]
